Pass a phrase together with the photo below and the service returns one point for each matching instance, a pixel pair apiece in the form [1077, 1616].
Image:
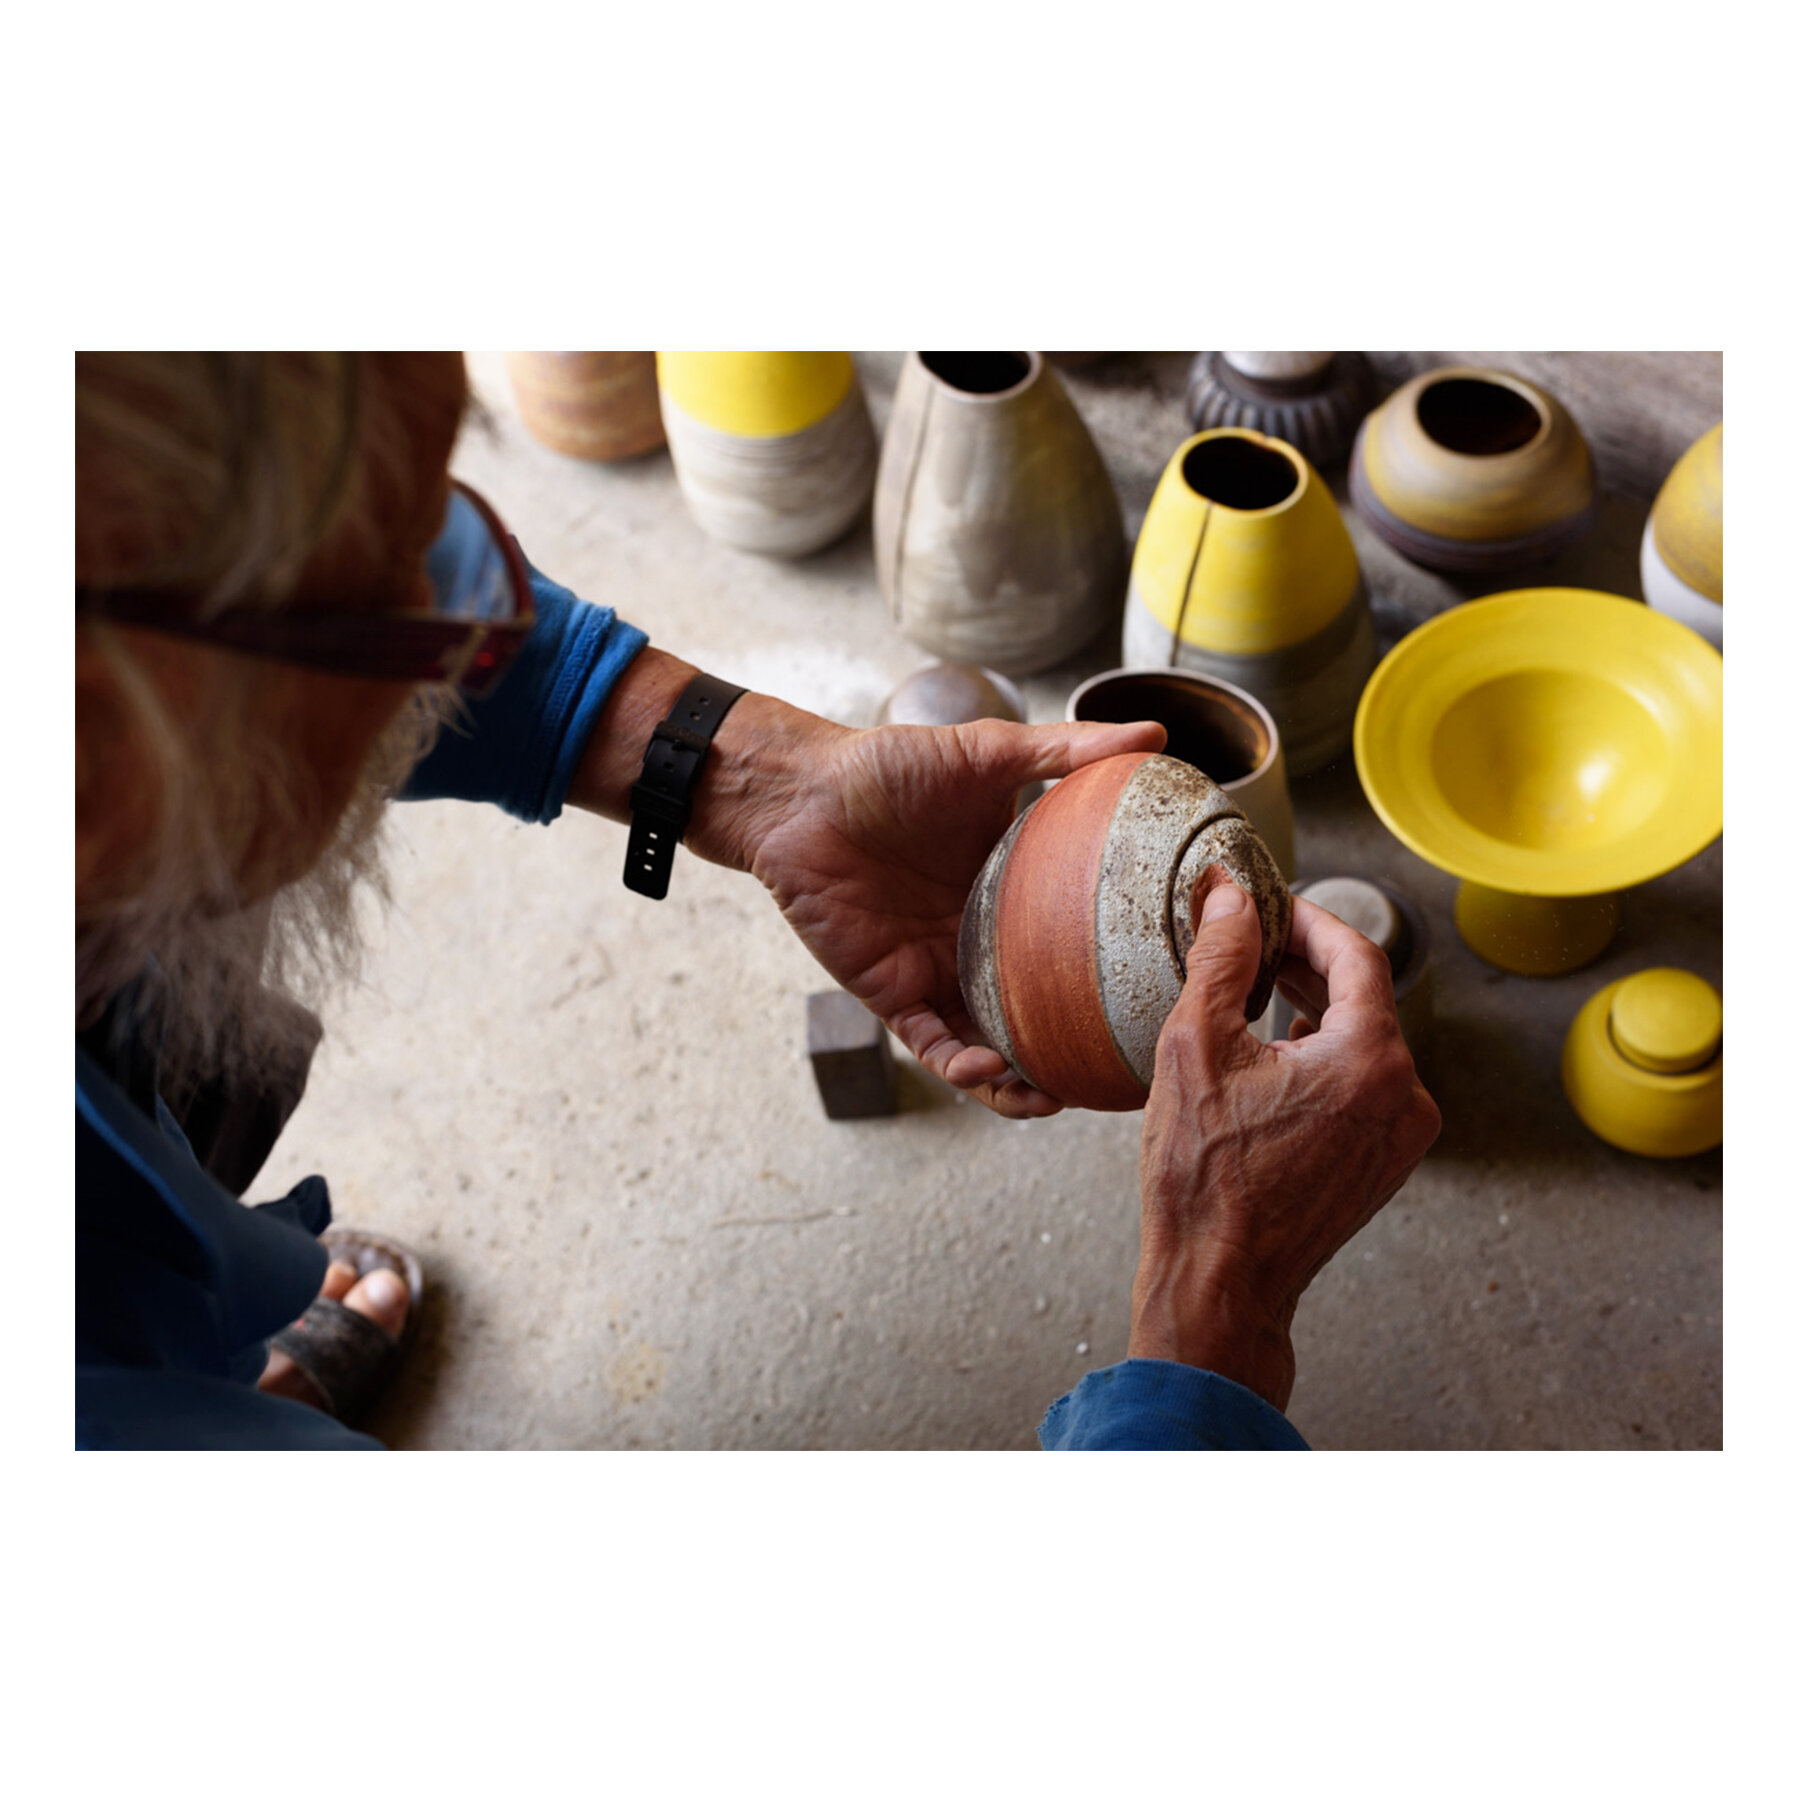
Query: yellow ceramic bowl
[1553, 741]
[1643, 1064]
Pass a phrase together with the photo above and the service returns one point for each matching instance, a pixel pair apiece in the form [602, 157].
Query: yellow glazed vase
[1643, 1064]
[1550, 747]
[1244, 572]
[1472, 472]
[998, 535]
[774, 449]
[1682, 558]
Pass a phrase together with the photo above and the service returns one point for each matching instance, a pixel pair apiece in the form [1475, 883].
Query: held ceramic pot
[1225, 733]
[1683, 554]
[600, 405]
[1472, 472]
[1643, 1064]
[1395, 924]
[774, 449]
[1312, 399]
[1075, 939]
[998, 536]
[1244, 571]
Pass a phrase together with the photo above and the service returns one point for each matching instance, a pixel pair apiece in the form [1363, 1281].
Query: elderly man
[286, 614]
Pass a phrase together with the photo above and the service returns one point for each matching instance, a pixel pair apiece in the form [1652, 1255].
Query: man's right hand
[1260, 1161]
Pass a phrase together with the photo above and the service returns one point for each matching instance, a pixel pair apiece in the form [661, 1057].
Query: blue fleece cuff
[1146, 1404]
[520, 746]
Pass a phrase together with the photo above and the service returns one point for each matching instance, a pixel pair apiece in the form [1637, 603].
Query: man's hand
[872, 861]
[1260, 1161]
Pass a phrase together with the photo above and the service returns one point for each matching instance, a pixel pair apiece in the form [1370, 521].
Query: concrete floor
[594, 1117]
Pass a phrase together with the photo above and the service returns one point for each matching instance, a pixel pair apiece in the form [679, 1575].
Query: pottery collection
[774, 449]
[1644, 1067]
[998, 535]
[1682, 558]
[1550, 747]
[1312, 399]
[600, 405]
[1244, 571]
[1224, 732]
[1075, 939]
[1472, 471]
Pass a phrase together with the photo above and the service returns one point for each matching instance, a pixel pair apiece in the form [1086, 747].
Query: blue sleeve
[1144, 1404]
[519, 747]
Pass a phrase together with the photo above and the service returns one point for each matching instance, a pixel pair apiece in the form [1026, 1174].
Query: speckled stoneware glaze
[1075, 939]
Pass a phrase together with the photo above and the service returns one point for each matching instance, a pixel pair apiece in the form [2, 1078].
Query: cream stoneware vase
[774, 449]
[1244, 572]
[998, 535]
[1682, 558]
[599, 405]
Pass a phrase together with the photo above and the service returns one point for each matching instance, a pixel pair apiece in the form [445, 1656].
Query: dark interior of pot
[1213, 730]
[1478, 418]
[1239, 472]
[978, 371]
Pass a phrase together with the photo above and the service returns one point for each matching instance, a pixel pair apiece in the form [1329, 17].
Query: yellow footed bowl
[755, 393]
[1643, 1065]
[1689, 516]
[1243, 550]
[1553, 741]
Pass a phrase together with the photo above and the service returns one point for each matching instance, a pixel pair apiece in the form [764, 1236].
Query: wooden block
[851, 1059]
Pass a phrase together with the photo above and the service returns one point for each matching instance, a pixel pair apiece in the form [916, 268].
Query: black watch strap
[662, 799]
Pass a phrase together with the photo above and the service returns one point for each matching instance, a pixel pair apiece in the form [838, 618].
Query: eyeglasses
[482, 610]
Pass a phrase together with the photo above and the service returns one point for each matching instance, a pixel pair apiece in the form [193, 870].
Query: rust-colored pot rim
[1235, 699]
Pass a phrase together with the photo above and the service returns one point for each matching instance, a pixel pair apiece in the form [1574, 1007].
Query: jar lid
[1365, 908]
[1667, 1020]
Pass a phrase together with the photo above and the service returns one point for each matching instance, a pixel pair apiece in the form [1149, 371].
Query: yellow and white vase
[1683, 553]
[1244, 571]
[774, 449]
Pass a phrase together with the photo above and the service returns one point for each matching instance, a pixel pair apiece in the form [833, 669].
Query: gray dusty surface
[594, 1117]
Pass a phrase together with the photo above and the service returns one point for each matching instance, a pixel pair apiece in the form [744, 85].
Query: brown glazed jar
[1075, 939]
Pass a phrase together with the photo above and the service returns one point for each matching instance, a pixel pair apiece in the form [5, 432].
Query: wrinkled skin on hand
[872, 860]
[1260, 1161]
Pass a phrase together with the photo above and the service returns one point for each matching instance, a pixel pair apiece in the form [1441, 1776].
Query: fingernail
[1226, 900]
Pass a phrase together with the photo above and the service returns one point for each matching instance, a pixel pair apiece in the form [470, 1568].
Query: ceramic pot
[1550, 747]
[1395, 924]
[1244, 571]
[1683, 553]
[600, 405]
[1472, 472]
[1312, 399]
[998, 536]
[952, 694]
[1643, 1064]
[1225, 733]
[774, 449]
[1075, 939]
